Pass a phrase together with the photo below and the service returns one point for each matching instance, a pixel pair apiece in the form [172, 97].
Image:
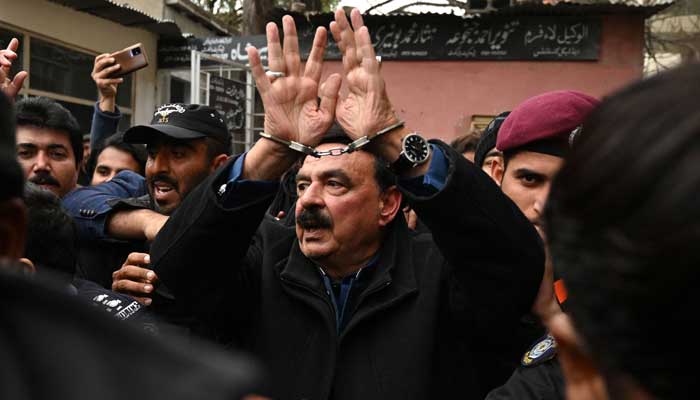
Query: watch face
[416, 148]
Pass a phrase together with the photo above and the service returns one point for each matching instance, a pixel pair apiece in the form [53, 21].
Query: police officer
[486, 150]
[534, 140]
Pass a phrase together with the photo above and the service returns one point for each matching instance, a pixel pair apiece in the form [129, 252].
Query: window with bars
[62, 73]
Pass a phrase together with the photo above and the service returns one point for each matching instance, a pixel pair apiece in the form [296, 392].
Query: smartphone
[131, 59]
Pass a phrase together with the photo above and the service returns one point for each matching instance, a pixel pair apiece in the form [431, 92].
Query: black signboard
[176, 53]
[228, 97]
[432, 37]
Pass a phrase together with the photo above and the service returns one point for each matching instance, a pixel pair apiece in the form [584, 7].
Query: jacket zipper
[327, 393]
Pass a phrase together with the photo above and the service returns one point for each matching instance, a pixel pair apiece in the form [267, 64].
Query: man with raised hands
[348, 304]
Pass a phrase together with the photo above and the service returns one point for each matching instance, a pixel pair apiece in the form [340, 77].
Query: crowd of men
[346, 256]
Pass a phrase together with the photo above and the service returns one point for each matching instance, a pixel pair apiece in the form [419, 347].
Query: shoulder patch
[543, 350]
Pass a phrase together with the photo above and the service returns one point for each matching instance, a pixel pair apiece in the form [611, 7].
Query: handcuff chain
[337, 151]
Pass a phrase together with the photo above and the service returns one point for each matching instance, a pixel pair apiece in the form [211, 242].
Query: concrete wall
[89, 33]
[435, 97]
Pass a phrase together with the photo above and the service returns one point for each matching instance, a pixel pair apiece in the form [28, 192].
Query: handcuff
[338, 151]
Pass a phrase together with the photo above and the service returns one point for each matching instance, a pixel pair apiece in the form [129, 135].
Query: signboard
[228, 97]
[176, 53]
[430, 37]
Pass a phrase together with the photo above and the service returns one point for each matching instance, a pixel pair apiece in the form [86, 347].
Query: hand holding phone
[130, 59]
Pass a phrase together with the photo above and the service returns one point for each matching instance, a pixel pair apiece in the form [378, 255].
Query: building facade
[60, 39]
[446, 74]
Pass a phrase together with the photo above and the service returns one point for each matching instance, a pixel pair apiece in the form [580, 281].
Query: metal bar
[70, 99]
[249, 110]
[207, 88]
[194, 77]
[26, 57]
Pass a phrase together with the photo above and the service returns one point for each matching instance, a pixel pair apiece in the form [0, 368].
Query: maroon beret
[552, 115]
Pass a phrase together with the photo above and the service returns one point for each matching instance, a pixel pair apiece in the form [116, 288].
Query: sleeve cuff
[434, 180]
[237, 191]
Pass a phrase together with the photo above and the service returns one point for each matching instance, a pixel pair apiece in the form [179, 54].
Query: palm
[291, 110]
[365, 110]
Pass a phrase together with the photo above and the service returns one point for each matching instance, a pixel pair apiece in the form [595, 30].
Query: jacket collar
[392, 280]
[395, 263]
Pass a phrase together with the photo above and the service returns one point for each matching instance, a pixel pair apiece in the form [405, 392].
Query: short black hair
[623, 224]
[384, 176]
[51, 233]
[136, 151]
[216, 148]
[43, 112]
[487, 141]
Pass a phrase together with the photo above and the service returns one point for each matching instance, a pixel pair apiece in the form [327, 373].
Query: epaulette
[542, 350]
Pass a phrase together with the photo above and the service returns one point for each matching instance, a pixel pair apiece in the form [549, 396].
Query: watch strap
[401, 165]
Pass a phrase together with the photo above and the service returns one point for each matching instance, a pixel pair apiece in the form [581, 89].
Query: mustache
[313, 218]
[165, 179]
[44, 178]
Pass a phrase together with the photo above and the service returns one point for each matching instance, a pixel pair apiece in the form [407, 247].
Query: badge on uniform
[543, 350]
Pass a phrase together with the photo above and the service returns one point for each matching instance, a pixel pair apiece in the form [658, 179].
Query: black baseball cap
[181, 121]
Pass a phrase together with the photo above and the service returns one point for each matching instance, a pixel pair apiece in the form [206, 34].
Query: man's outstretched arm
[114, 210]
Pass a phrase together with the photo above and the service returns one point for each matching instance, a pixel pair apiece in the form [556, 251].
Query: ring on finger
[274, 74]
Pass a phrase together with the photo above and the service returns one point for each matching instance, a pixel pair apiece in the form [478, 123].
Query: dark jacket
[54, 346]
[431, 310]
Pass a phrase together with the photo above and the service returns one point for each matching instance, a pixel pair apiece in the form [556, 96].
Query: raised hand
[10, 86]
[101, 72]
[366, 109]
[292, 111]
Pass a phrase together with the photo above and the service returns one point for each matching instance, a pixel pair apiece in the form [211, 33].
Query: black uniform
[539, 376]
[53, 346]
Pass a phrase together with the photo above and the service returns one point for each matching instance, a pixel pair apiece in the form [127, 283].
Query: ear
[583, 380]
[218, 161]
[497, 170]
[28, 265]
[389, 205]
[13, 228]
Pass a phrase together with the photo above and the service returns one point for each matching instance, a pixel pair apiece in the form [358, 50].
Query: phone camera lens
[135, 51]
